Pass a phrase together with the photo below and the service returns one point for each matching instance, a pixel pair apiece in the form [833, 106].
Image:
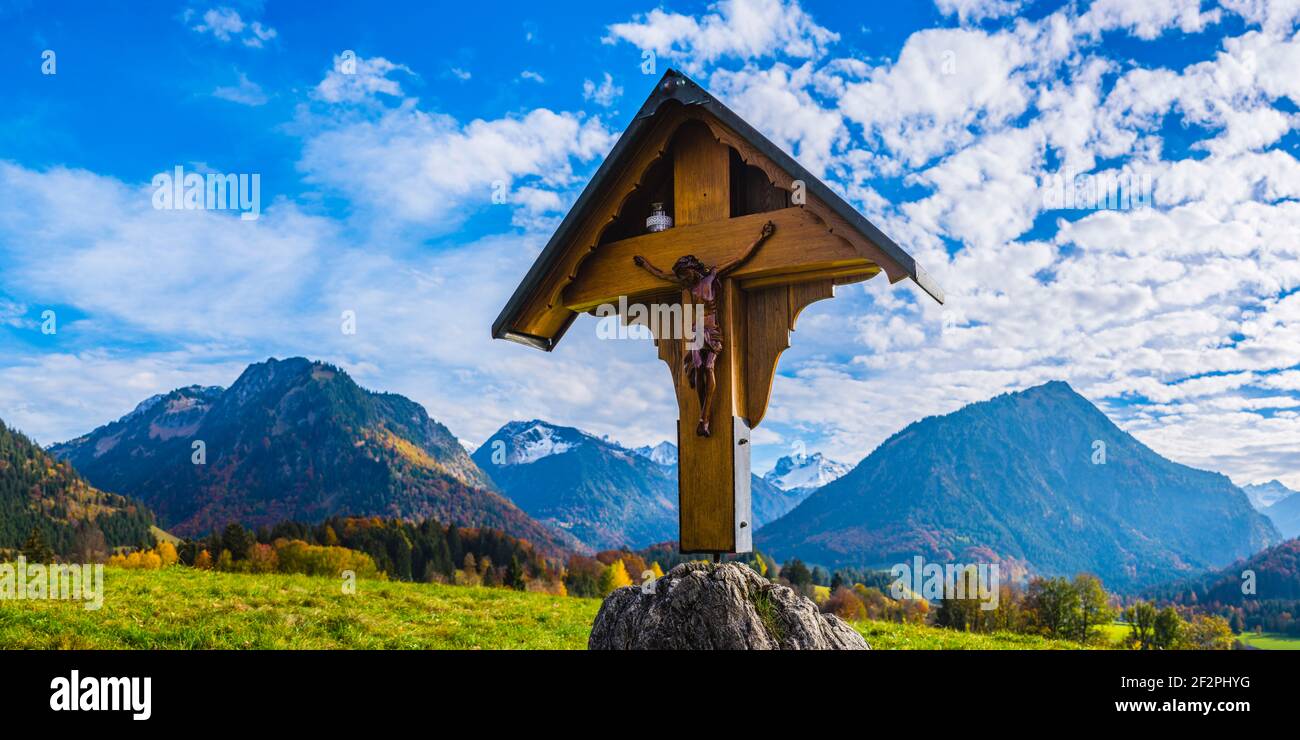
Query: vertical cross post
[713, 473]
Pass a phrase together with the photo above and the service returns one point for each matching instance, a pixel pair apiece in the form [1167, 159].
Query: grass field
[894, 636]
[1270, 641]
[183, 608]
[1116, 632]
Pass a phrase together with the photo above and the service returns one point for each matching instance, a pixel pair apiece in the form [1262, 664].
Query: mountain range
[296, 439]
[292, 439]
[1018, 480]
[1014, 480]
[603, 494]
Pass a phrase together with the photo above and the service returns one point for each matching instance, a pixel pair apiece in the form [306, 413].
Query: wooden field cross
[767, 239]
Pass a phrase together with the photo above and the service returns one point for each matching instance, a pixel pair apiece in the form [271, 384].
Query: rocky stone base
[705, 606]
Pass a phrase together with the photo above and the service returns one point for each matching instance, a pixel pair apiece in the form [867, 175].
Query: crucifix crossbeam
[754, 240]
[800, 250]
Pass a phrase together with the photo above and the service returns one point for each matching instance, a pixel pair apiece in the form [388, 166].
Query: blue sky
[943, 121]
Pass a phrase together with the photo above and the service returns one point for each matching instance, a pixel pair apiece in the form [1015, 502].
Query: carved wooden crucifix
[764, 239]
[702, 287]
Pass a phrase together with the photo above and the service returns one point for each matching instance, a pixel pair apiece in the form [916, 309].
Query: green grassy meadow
[184, 608]
[187, 609]
[1270, 641]
[1116, 632]
[895, 636]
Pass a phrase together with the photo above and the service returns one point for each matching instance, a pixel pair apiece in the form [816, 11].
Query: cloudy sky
[380, 137]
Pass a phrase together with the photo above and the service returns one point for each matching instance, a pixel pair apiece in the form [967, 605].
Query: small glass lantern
[659, 219]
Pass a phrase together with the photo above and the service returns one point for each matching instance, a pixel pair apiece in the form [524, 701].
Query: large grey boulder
[703, 606]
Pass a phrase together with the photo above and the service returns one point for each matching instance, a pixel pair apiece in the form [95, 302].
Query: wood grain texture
[767, 338]
[701, 176]
[801, 244]
[841, 276]
[771, 315]
[706, 465]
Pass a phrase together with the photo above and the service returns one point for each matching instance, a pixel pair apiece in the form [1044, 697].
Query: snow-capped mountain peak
[1264, 495]
[664, 453]
[805, 472]
[529, 441]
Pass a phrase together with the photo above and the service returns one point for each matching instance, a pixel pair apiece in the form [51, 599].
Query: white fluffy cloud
[70, 237]
[225, 24]
[1274, 16]
[743, 29]
[355, 79]
[945, 86]
[976, 10]
[1147, 20]
[402, 164]
[430, 169]
[603, 93]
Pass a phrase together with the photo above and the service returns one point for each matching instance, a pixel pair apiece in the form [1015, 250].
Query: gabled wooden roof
[536, 314]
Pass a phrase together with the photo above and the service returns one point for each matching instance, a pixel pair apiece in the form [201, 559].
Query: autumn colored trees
[583, 575]
[614, 576]
[398, 549]
[869, 602]
[610, 569]
[161, 556]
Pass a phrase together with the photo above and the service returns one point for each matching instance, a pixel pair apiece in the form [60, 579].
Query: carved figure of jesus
[705, 286]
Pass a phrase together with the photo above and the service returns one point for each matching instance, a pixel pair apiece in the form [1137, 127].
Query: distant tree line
[370, 546]
[1078, 610]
